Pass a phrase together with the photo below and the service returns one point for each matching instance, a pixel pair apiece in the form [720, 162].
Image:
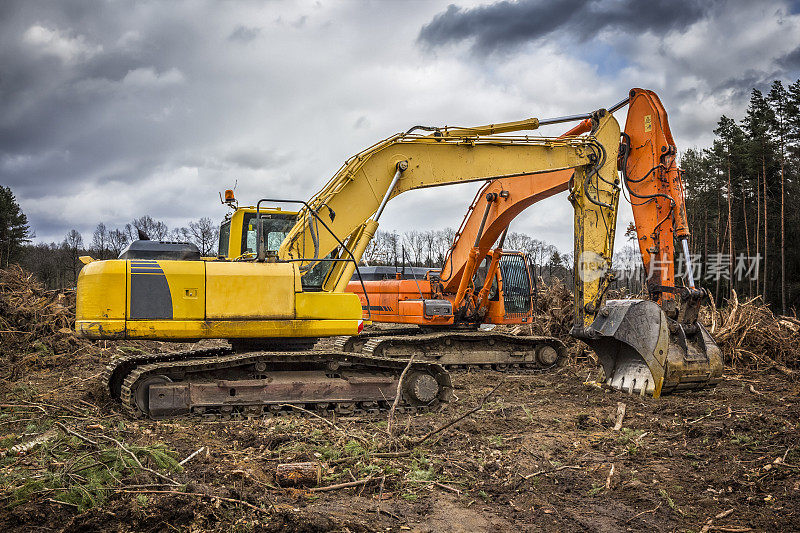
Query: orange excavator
[645, 346]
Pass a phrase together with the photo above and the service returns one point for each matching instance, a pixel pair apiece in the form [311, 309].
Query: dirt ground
[541, 454]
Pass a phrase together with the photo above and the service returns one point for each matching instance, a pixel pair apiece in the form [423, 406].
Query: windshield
[224, 238]
[275, 228]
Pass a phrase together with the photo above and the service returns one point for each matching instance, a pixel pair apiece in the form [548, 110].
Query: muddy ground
[540, 455]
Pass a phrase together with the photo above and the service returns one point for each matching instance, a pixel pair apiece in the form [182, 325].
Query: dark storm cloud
[506, 24]
[69, 77]
[741, 86]
[791, 61]
[244, 34]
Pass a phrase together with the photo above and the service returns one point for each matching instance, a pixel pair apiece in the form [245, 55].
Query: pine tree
[779, 100]
[760, 149]
[728, 150]
[793, 121]
[14, 229]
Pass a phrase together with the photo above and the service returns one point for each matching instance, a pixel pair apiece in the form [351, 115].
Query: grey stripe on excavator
[150, 297]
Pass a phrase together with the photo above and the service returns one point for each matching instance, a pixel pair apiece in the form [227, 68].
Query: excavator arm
[658, 206]
[353, 200]
[650, 346]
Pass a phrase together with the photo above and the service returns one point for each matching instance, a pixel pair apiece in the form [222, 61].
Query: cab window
[224, 238]
[275, 227]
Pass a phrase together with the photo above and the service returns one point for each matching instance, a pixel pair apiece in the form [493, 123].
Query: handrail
[260, 243]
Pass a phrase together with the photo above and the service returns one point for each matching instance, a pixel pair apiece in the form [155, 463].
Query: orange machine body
[402, 299]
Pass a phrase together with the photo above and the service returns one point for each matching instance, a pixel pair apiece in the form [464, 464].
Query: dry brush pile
[748, 333]
[751, 336]
[554, 310]
[35, 324]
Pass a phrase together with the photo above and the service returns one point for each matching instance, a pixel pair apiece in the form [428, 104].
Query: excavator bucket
[644, 352]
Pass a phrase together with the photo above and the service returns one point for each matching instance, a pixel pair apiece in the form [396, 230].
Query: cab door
[516, 286]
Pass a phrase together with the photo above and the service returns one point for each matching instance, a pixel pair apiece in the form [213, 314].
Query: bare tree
[205, 234]
[429, 239]
[443, 242]
[392, 247]
[381, 249]
[182, 234]
[117, 241]
[155, 229]
[415, 245]
[517, 241]
[100, 241]
[539, 254]
[73, 244]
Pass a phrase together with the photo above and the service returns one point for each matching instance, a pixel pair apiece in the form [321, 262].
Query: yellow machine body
[209, 299]
[186, 300]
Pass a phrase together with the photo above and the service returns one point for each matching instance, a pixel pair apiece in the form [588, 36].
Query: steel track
[458, 350]
[204, 366]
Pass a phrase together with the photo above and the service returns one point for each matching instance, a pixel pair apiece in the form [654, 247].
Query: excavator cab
[654, 346]
[239, 231]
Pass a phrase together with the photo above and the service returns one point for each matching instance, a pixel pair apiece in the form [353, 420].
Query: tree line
[429, 248]
[57, 264]
[743, 201]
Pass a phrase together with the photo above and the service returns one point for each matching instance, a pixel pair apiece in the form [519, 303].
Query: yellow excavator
[281, 286]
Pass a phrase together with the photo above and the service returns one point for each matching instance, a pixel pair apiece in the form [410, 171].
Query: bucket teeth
[631, 376]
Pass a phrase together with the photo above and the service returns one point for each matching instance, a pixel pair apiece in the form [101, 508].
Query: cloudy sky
[111, 110]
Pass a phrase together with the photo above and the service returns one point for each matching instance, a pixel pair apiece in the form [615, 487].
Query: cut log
[298, 474]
